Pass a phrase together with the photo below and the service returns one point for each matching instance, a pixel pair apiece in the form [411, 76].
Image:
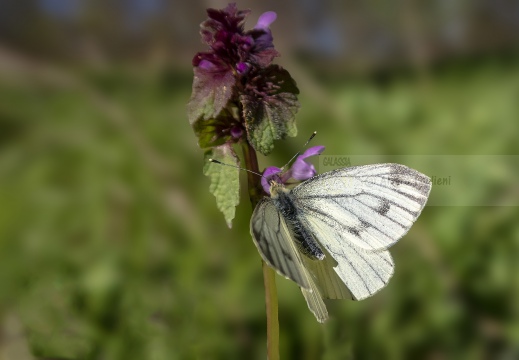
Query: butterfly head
[276, 187]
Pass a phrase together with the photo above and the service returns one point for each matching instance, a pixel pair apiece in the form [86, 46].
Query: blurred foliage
[112, 247]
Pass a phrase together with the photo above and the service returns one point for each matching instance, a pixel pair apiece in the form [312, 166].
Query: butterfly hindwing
[329, 284]
[315, 301]
[364, 272]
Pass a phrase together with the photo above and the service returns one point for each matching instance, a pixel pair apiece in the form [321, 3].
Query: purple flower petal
[271, 170]
[209, 62]
[236, 132]
[242, 67]
[301, 170]
[269, 173]
[207, 65]
[265, 20]
[314, 150]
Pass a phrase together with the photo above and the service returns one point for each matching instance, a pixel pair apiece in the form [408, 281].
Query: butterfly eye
[275, 180]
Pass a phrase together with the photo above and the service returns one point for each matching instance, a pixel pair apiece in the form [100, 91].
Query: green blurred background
[111, 246]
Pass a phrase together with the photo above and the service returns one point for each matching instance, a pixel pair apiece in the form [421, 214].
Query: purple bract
[232, 48]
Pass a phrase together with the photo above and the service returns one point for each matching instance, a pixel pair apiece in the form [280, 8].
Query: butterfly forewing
[274, 242]
[372, 206]
[277, 248]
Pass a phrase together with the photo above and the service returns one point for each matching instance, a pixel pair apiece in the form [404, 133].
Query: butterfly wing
[327, 281]
[372, 205]
[277, 248]
[315, 301]
[275, 244]
[364, 272]
[324, 283]
[356, 213]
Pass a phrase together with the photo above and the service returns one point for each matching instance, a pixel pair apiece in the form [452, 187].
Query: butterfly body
[284, 201]
[330, 234]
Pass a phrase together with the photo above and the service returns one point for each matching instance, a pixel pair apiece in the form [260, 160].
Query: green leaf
[225, 180]
[212, 132]
[206, 131]
[211, 92]
[270, 109]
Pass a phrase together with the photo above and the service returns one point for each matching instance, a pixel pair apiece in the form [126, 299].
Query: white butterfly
[330, 234]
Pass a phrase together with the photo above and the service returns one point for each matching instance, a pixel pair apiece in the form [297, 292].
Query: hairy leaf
[225, 180]
[269, 108]
[215, 131]
[211, 92]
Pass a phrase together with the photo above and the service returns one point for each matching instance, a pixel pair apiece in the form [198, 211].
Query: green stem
[271, 305]
[269, 276]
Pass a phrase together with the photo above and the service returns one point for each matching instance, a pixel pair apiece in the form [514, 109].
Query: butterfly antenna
[299, 152]
[234, 166]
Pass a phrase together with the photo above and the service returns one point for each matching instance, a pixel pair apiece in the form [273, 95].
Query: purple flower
[242, 68]
[230, 46]
[236, 131]
[300, 170]
[265, 20]
[263, 51]
[206, 65]
[235, 75]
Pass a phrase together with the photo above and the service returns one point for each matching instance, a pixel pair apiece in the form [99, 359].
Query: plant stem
[269, 276]
[271, 305]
